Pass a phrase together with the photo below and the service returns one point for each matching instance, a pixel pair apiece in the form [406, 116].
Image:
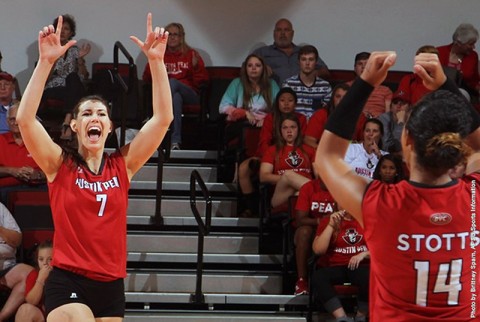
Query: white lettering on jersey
[97, 186]
[433, 242]
[322, 207]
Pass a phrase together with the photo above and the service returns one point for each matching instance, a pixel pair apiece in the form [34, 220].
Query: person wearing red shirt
[461, 55]
[423, 233]
[288, 163]
[344, 258]
[316, 124]
[313, 203]
[186, 72]
[284, 104]
[88, 188]
[18, 170]
[34, 310]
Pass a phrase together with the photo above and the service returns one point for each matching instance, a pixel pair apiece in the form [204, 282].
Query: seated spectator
[66, 79]
[18, 170]
[284, 104]
[312, 91]
[461, 55]
[187, 74]
[288, 163]
[250, 96]
[363, 157]
[389, 169]
[316, 124]
[7, 88]
[282, 55]
[393, 122]
[379, 100]
[344, 259]
[13, 274]
[34, 310]
[313, 203]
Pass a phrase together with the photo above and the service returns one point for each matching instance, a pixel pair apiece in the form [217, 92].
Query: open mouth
[94, 133]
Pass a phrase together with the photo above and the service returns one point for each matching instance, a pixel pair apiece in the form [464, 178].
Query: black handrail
[203, 229]
[126, 88]
[163, 155]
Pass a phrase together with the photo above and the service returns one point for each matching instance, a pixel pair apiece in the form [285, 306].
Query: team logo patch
[440, 218]
[294, 159]
[352, 237]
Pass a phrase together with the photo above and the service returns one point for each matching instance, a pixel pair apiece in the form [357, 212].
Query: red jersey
[291, 158]
[468, 65]
[412, 86]
[89, 213]
[343, 246]
[14, 155]
[180, 66]
[316, 125]
[267, 132]
[423, 243]
[315, 200]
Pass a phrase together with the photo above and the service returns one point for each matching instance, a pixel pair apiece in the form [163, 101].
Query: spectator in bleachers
[187, 74]
[379, 100]
[288, 163]
[284, 104]
[313, 203]
[34, 309]
[461, 55]
[312, 91]
[18, 170]
[389, 169]
[394, 120]
[363, 157]
[65, 82]
[316, 124]
[250, 96]
[7, 88]
[13, 274]
[282, 55]
[343, 258]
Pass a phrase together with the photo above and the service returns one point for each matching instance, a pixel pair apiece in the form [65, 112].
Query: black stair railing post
[163, 154]
[203, 229]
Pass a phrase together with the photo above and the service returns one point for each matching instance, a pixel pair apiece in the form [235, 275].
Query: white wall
[225, 31]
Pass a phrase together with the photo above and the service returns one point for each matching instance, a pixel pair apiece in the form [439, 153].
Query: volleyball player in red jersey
[422, 234]
[88, 188]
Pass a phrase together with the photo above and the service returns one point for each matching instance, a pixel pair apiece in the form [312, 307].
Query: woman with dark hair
[316, 124]
[88, 188]
[285, 103]
[249, 97]
[423, 233]
[288, 163]
[363, 157]
[389, 169]
[65, 81]
[187, 74]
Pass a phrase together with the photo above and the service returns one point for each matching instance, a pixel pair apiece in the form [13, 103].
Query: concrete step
[191, 221]
[208, 317]
[180, 207]
[246, 259]
[217, 298]
[182, 186]
[177, 172]
[187, 243]
[184, 154]
[185, 282]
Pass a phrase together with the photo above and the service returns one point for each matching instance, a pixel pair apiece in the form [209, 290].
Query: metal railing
[163, 155]
[126, 88]
[203, 229]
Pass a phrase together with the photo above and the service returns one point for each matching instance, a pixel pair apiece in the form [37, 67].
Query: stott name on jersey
[97, 186]
[433, 243]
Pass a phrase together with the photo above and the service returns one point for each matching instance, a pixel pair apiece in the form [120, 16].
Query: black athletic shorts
[105, 299]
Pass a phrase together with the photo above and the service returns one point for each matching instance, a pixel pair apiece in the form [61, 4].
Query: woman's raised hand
[49, 45]
[155, 42]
